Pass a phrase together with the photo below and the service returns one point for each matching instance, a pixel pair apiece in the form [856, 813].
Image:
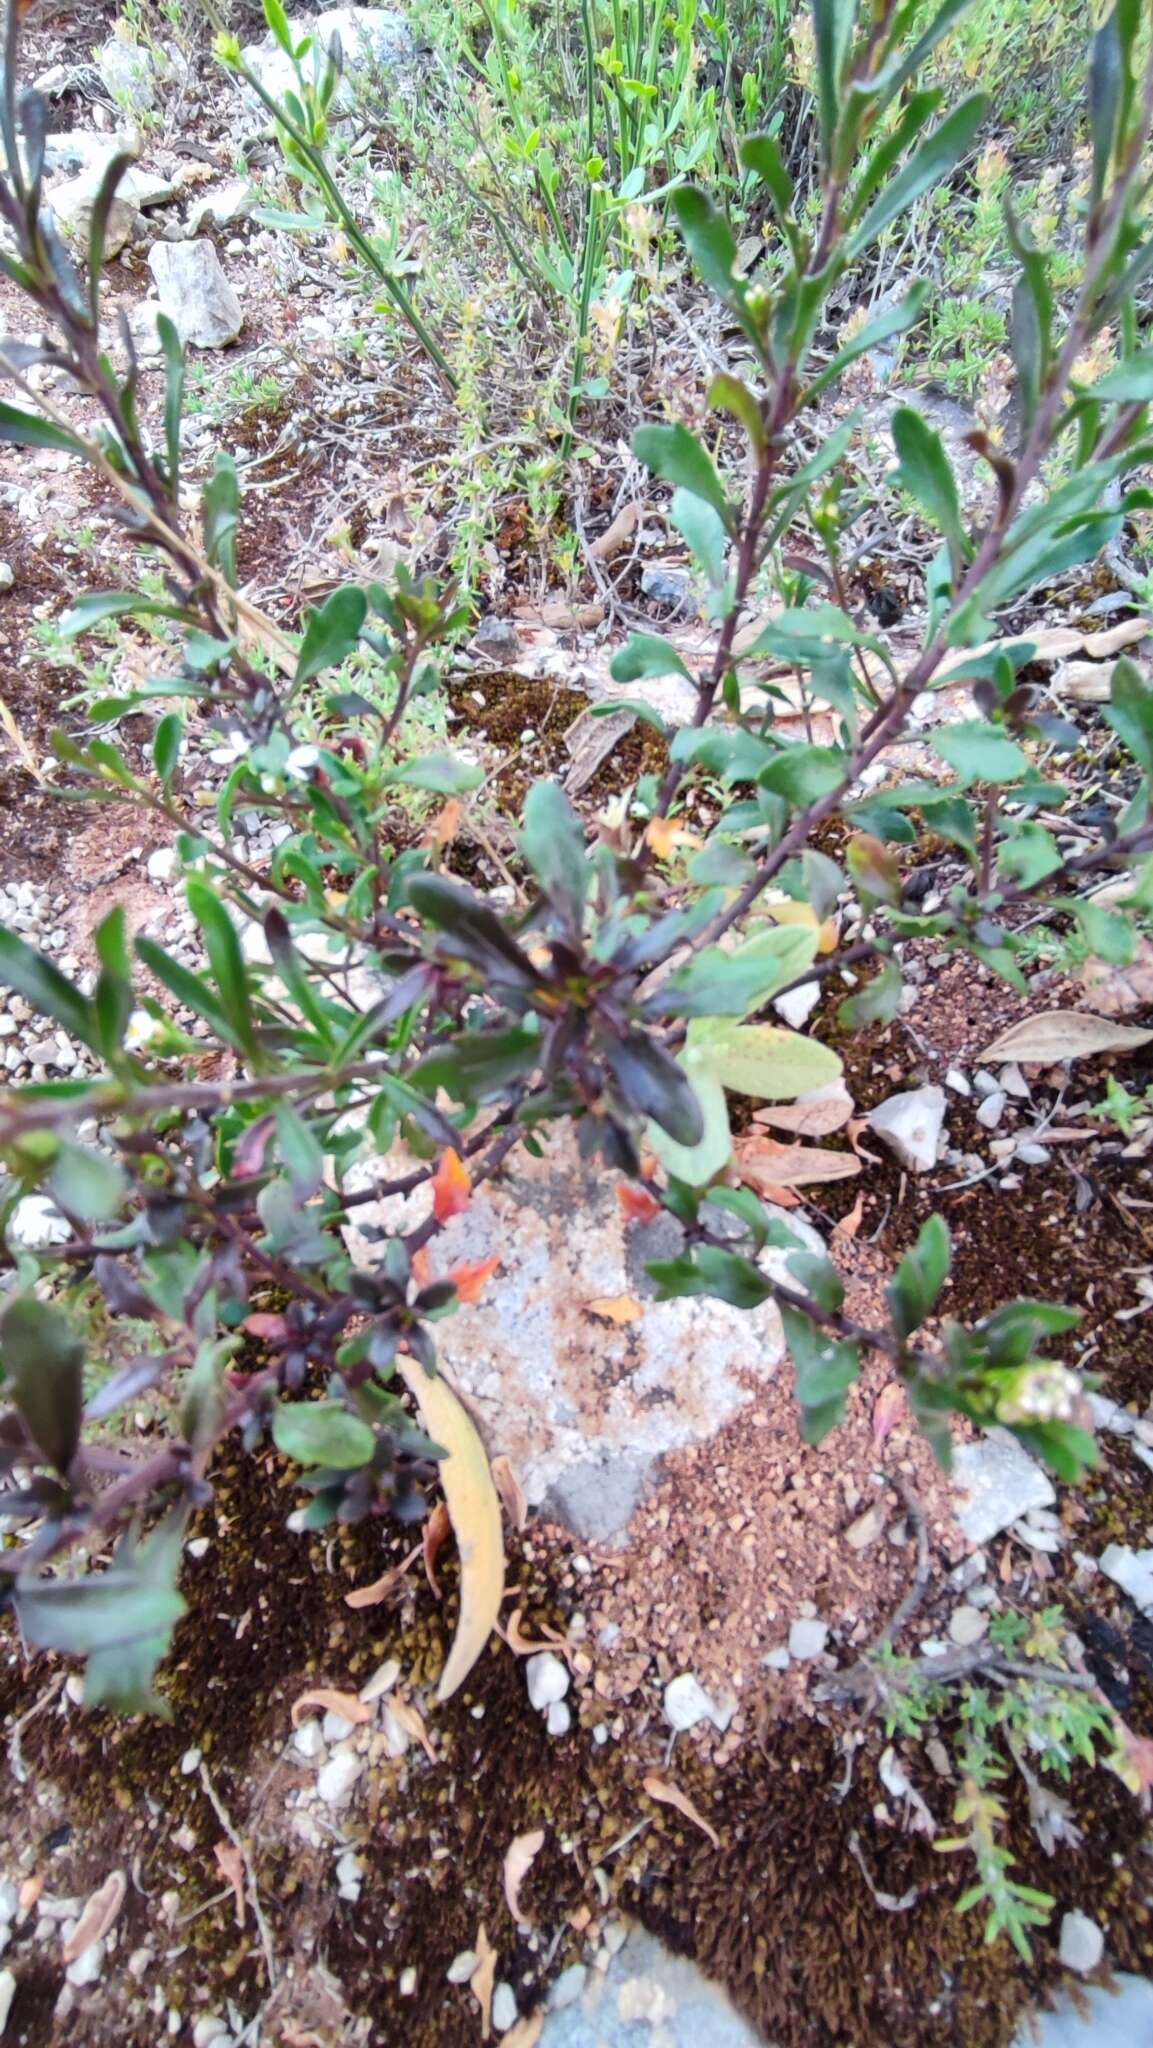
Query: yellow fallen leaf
[380, 1589]
[329, 1701]
[474, 1509]
[518, 1859]
[664, 835]
[671, 1795]
[616, 1308]
[528, 1646]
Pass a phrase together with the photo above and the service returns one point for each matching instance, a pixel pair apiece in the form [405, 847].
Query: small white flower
[141, 1027]
[235, 747]
[36, 1221]
[300, 763]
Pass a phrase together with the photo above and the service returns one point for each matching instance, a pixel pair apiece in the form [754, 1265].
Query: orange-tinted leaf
[616, 1308]
[412, 1721]
[380, 1589]
[231, 1863]
[671, 1795]
[446, 824]
[664, 835]
[271, 1327]
[470, 1280]
[483, 1980]
[637, 1203]
[766, 1164]
[437, 1529]
[850, 1224]
[512, 1493]
[422, 1266]
[98, 1915]
[451, 1187]
[329, 1701]
[813, 1115]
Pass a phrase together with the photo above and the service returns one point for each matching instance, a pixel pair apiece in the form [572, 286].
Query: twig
[223, 1816]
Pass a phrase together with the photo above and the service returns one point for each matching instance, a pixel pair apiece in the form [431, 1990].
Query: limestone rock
[1132, 1570]
[1001, 1482]
[910, 1125]
[1082, 1943]
[195, 293]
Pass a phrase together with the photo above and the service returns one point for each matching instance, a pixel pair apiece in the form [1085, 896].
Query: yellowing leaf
[664, 835]
[518, 1858]
[764, 1164]
[451, 1187]
[815, 1114]
[475, 1511]
[616, 1308]
[671, 1795]
[762, 1060]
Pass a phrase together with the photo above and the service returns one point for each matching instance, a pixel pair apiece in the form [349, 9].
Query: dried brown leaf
[412, 1721]
[475, 1511]
[528, 1646]
[671, 1795]
[231, 1862]
[100, 1913]
[526, 2033]
[483, 1980]
[518, 1860]
[813, 1115]
[437, 1530]
[511, 1491]
[618, 535]
[889, 1408]
[1119, 991]
[765, 1164]
[384, 1587]
[850, 1224]
[328, 1700]
[1064, 1035]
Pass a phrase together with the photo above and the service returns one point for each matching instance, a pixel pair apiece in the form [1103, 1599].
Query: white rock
[307, 1740]
[195, 293]
[225, 204]
[334, 1727]
[129, 72]
[504, 2012]
[1132, 1570]
[7, 1994]
[798, 1004]
[1000, 1482]
[1014, 1083]
[160, 864]
[208, 2028]
[7, 575]
[569, 1987]
[958, 1082]
[807, 1639]
[992, 1109]
[337, 1778]
[189, 1762]
[88, 1966]
[1082, 1943]
[967, 1626]
[547, 1679]
[558, 1719]
[371, 39]
[35, 1221]
[462, 1966]
[687, 1703]
[910, 1124]
[777, 1660]
[72, 204]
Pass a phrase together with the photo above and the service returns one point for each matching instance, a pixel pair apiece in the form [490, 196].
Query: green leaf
[166, 744]
[225, 959]
[1129, 712]
[87, 1184]
[876, 1003]
[645, 654]
[704, 531]
[1107, 933]
[653, 1084]
[1107, 65]
[893, 321]
[731, 984]
[332, 632]
[935, 160]
[29, 974]
[300, 1151]
[120, 1677]
[730, 752]
[1029, 854]
[98, 605]
[919, 1278]
[761, 156]
[1130, 383]
[479, 1065]
[108, 1611]
[729, 1276]
[761, 1060]
[174, 366]
[803, 774]
[553, 843]
[220, 516]
[925, 472]
[824, 1367]
[747, 1207]
[731, 395]
[709, 240]
[322, 1433]
[188, 988]
[27, 430]
[833, 22]
[696, 1164]
[819, 1278]
[677, 456]
[474, 932]
[43, 1361]
[980, 752]
[443, 774]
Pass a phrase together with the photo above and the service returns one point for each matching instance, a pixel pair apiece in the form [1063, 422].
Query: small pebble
[307, 1740]
[7, 576]
[992, 1109]
[336, 1778]
[958, 1082]
[1082, 1943]
[462, 1966]
[776, 1660]
[504, 2012]
[547, 1679]
[407, 1984]
[967, 1626]
[807, 1639]
[558, 1719]
[569, 1987]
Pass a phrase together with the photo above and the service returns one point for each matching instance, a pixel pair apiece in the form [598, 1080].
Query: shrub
[617, 995]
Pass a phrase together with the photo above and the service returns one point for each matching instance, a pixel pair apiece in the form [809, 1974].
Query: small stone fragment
[504, 2012]
[558, 1719]
[958, 1082]
[687, 1703]
[88, 1967]
[195, 293]
[1132, 1570]
[336, 1778]
[461, 1967]
[547, 1679]
[807, 1639]
[776, 1660]
[7, 1994]
[992, 1109]
[568, 1987]
[910, 1124]
[307, 1740]
[967, 1626]
[867, 1528]
[1001, 1481]
[7, 576]
[1082, 1943]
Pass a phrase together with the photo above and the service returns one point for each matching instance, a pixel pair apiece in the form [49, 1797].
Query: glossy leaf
[980, 752]
[31, 975]
[442, 774]
[322, 1433]
[930, 164]
[652, 1084]
[108, 1611]
[553, 843]
[704, 531]
[332, 632]
[43, 1361]
[925, 472]
[645, 654]
[676, 456]
[474, 932]
[803, 774]
[916, 1285]
[220, 515]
